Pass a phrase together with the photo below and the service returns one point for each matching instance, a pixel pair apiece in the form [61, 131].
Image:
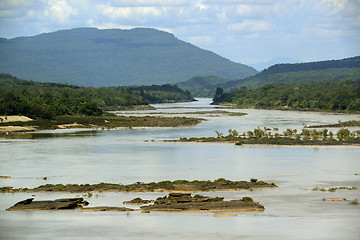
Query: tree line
[341, 96]
[47, 100]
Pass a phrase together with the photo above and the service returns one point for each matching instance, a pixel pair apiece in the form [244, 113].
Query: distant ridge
[276, 60]
[331, 70]
[112, 57]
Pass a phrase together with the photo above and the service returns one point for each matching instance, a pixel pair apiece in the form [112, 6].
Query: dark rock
[138, 201]
[185, 202]
[25, 202]
[65, 203]
[105, 208]
[179, 194]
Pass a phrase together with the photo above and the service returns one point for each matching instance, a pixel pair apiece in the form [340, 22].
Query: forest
[158, 93]
[341, 96]
[47, 100]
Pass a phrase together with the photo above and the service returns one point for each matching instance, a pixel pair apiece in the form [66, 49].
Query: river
[292, 211]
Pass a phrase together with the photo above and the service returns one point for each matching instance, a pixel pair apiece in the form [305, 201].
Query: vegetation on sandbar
[333, 189]
[289, 137]
[350, 123]
[220, 184]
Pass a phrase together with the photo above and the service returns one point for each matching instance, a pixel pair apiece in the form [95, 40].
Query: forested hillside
[112, 57]
[341, 96]
[203, 86]
[47, 100]
[333, 70]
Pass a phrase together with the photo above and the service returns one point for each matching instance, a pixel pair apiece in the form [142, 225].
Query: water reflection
[57, 134]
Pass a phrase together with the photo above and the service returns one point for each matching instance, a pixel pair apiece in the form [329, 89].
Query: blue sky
[243, 31]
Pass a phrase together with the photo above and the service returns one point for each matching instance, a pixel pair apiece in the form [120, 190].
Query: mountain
[322, 71]
[112, 57]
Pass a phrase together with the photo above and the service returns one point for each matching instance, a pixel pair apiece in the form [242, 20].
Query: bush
[218, 199]
[247, 199]
[198, 196]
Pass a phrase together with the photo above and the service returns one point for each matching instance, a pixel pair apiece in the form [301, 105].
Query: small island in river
[220, 184]
[184, 202]
[268, 136]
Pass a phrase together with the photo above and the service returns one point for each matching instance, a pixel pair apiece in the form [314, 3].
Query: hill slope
[332, 70]
[112, 57]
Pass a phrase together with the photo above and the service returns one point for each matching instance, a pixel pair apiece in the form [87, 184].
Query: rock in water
[64, 203]
[187, 203]
[106, 208]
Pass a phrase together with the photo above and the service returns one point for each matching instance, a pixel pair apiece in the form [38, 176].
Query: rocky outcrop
[64, 203]
[105, 208]
[186, 202]
[138, 201]
[220, 184]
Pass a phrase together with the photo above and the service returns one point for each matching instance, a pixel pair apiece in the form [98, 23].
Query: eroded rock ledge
[64, 203]
[220, 184]
[182, 202]
[186, 203]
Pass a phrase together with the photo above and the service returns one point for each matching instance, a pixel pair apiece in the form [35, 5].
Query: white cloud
[337, 5]
[60, 10]
[129, 12]
[250, 26]
[149, 2]
[200, 5]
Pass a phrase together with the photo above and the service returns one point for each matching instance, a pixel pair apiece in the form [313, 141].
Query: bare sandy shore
[17, 129]
[5, 119]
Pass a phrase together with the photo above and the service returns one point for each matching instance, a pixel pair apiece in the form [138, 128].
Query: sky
[245, 31]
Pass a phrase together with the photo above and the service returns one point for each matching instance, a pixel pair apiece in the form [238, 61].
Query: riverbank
[103, 122]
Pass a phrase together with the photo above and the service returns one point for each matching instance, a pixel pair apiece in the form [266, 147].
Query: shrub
[354, 202]
[198, 196]
[247, 199]
[253, 180]
[218, 199]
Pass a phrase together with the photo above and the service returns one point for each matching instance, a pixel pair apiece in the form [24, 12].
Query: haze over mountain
[276, 60]
[112, 57]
